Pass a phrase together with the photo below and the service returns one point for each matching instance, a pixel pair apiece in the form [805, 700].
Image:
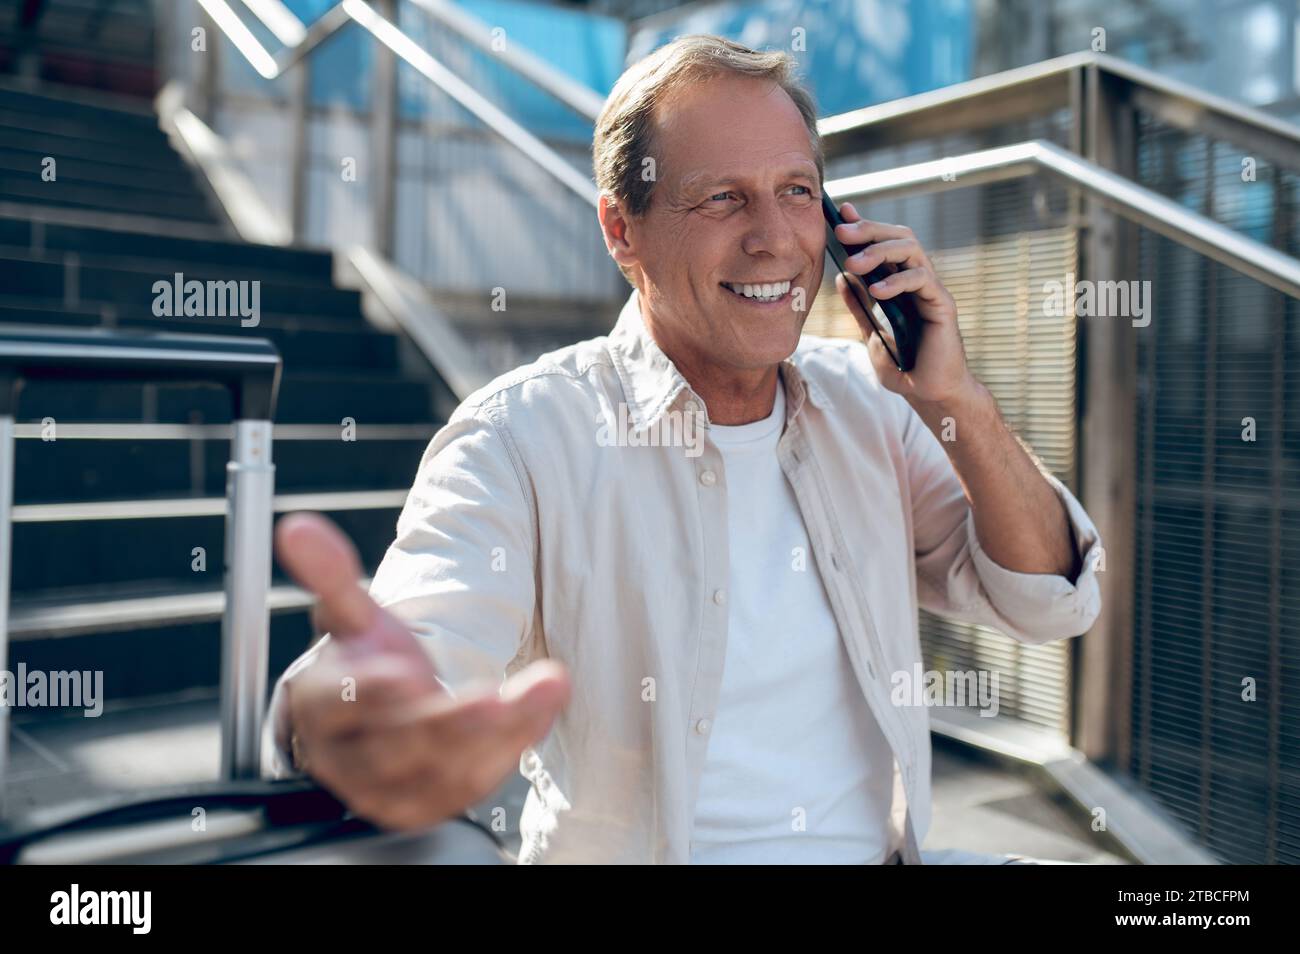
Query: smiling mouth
[765, 293]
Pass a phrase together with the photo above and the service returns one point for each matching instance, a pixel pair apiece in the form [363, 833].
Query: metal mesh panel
[1217, 530]
[995, 247]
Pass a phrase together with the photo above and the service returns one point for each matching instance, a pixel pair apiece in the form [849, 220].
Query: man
[730, 605]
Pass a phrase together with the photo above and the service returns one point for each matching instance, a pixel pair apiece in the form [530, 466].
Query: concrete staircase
[105, 572]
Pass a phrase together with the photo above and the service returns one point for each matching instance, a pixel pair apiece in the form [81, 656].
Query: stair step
[151, 660]
[71, 616]
[105, 314]
[94, 69]
[91, 20]
[69, 471]
[125, 8]
[18, 125]
[76, 102]
[72, 195]
[124, 222]
[305, 398]
[70, 147]
[348, 350]
[124, 72]
[107, 516]
[65, 50]
[159, 265]
[134, 287]
[22, 232]
[127, 41]
[93, 546]
[90, 173]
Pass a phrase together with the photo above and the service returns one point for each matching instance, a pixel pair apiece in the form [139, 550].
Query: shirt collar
[652, 383]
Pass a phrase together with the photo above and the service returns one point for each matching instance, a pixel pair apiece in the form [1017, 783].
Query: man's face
[736, 203]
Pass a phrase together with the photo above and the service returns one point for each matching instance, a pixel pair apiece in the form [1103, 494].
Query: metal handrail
[1033, 89]
[981, 87]
[1134, 202]
[280, 21]
[583, 100]
[1131, 200]
[248, 367]
[250, 370]
[299, 40]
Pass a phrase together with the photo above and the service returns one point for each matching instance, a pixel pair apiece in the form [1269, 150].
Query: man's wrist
[968, 401]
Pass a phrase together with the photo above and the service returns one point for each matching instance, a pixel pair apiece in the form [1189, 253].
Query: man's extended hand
[370, 720]
[940, 375]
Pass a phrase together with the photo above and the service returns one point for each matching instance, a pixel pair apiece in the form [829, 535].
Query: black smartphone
[904, 335]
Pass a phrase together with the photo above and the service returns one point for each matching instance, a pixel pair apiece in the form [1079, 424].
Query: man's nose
[770, 229]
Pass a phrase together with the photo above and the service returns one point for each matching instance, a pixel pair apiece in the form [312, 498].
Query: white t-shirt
[797, 770]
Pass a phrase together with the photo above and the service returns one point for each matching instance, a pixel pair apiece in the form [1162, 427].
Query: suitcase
[246, 819]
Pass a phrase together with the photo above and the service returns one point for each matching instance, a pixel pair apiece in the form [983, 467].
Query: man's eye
[805, 189]
[717, 195]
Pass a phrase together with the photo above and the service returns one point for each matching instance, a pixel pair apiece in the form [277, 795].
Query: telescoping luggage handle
[250, 370]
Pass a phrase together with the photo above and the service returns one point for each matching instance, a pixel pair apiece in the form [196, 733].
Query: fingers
[385, 755]
[438, 784]
[920, 281]
[334, 697]
[859, 231]
[906, 253]
[521, 713]
[440, 754]
[323, 561]
[387, 712]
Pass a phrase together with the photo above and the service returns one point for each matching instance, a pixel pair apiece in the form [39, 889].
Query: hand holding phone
[904, 319]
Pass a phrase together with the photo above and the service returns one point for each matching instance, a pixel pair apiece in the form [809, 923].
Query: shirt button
[720, 597]
[702, 727]
[708, 478]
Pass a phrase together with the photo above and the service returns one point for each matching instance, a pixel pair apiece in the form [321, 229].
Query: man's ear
[614, 224]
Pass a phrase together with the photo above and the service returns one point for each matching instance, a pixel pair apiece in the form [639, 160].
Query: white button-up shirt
[575, 509]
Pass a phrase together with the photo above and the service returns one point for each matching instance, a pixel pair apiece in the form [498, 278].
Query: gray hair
[624, 128]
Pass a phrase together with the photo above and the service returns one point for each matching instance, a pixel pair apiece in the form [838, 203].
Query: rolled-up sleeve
[958, 579]
[1044, 606]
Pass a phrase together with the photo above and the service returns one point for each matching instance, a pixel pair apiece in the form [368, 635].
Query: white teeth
[766, 292]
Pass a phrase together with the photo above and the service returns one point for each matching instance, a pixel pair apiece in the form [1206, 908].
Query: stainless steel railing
[301, 41]
[1031, 88]
[1134, 202]
[250, 370]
